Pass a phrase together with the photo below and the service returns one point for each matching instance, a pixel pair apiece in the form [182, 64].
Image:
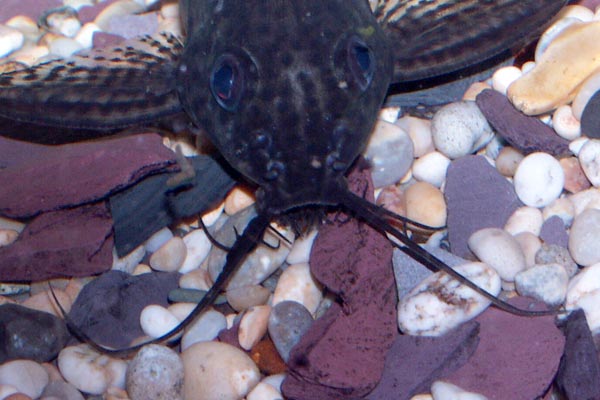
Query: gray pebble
[288, 321]
[547, 282]
[555, 254]
[156, 372]
[61, 390]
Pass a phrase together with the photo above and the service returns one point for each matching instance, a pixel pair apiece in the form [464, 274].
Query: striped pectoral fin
[432, 38]
[101, 89]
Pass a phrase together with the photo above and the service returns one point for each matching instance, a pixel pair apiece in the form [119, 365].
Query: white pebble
[253, 326]
[562, 208]
[391, 153]
[196, 279]
[204, 328]
[565, 124]
[589, 158]
[459, 129]
[141, 269]
[584, 292]
[419, 131]
[539, 180]
[579, 12]
[7, 237]
[64, 22]
[10, 40]
[525, 219]
[13, 225]
[216, 370]
[389, 114]
[585, 199]
[64, 47]
[588, 88]
[90, 371]
[122, 7]
[297, 284]
[197, 248]
[530, 244]
[527, 66]
[238, 199]
[431, 168]
[441, 390]
[244, 297]
[439, 303]
[26, 376]
[264, 391]
[300, 251]
[210, 217]
[156, 373]
[170, 256]
[576, 145]
[508, 160]
[128, 262]
[170, 10]
[159, 238]
[156, 320]
[85, 36]
[6, 390]
[547, 282]
[583, 240]
[498, 249]
[503, 77]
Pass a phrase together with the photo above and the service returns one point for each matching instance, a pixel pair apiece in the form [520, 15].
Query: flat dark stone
[150, 205]
[74, 242]
[413, 363]
[526, 134]
[102, 40]
[517, 357]
[477, 196]
[590, 118]
[74, 174]
[578, 375]
[554, 232]
[342, 355]
[30, 334]
[108, 308]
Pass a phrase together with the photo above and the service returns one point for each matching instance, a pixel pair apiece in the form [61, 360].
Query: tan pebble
[196, 279]
[73, 288]
[238, 199]
[264, 391]
[123, 7]
[584, 94]
[141, 269]
[85, 36]
[253, 326]
[296, 283]
[210, 217]
[30, 55]
[170, 256]
[393, 199]
[575, 179]
[565, 124]
[579, 12]
[508, 160]
[528, 66]
[8, 236]
[29, 377]
[503, 77]
[562, 208]
[244, 297]
[17, 396]
[170, 10]
[474, 90]
[419, 131]
[530, 244]
[53, 372]
[12, 225]
[216, 370]
[570, 59]
[425, 204]
[585, 199]
[6, 300]
[6, 390]
[525, 219]
[115, 393]
[26, 25]
[64, 47]
[424, 396]
[45, 302]
[300, 251]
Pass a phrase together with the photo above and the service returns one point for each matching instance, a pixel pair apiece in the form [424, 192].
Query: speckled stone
[527, 134]
[477, 196]
[30, 334]
[108, 308]
[525, 352]
[156, 373]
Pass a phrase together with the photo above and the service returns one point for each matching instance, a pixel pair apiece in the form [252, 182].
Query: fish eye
[227, 81]
[360, 62]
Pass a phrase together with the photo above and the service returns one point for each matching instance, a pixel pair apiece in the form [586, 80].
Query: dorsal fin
[99, 89]
[433, 38]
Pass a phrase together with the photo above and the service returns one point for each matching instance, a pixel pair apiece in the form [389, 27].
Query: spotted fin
[433, 38]
[100, 89]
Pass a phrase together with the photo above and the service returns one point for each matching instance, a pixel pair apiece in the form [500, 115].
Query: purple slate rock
[554, 232]
[89, 13]
[590, 118]
[578, 376]
[231, 335]
[80, 173]
[477, 196]
[415, 362]
[517, 357]
[74, 242]
[30, 8]
[131, 26]
[343, 353]
[527, 134]
[108, 308]
[101, 40]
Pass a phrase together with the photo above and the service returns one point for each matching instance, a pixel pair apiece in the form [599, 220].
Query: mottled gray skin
[302, 118]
